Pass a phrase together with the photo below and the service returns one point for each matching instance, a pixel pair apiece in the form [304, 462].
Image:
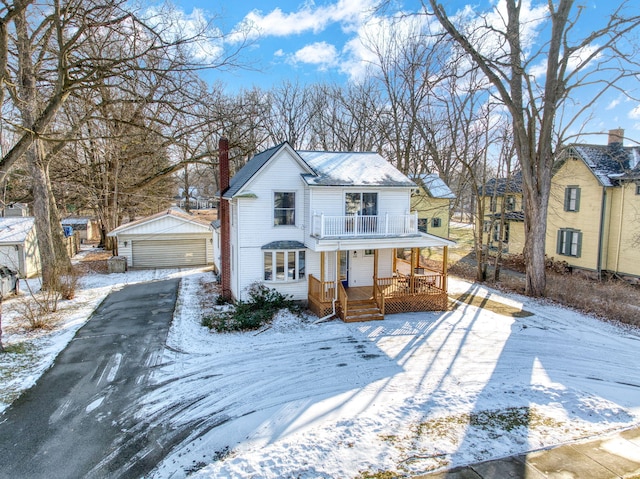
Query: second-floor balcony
[351, 226]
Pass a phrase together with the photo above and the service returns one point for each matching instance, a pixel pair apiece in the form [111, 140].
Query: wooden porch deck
[398, 294]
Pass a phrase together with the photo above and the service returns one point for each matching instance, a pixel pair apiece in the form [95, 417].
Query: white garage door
[169, 253]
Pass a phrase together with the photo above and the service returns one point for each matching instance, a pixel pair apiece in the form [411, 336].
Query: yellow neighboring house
[508, 192]
[432, 202]
[594, 209]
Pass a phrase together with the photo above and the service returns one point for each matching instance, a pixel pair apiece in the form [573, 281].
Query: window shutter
[579, 242]
[559, 243]
[567, 198]
[577, 200]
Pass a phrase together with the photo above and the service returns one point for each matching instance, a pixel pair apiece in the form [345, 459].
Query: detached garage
[19, 246]
[171, 239]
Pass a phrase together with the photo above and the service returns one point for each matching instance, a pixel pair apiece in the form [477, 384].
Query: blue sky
[314, 41]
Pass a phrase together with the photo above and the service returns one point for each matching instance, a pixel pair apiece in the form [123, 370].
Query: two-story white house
[332, 229]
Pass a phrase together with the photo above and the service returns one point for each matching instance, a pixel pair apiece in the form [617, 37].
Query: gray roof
[284, 245]
[245, 173]
[352, 169]
[502, 186]
[435, 186]
[609, 163]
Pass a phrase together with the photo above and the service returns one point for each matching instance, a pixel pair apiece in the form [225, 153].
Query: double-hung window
[284, 208]
[436, 222]
[510, 203]
[572, 198]
[282, 266]
[637, 188]
[569, 242]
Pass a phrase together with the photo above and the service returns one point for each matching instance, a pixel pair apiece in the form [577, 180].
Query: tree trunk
[535, 231]
[1, 346]
[41, 189]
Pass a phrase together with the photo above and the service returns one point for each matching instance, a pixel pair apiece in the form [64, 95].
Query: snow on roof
[435, 186]
[76, 220]
[502, 186]
[15, 229]
[352, 169]
[249, 169]
[610, 162]
[175, 212]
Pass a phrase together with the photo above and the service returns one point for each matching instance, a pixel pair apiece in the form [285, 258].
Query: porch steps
[363, 310]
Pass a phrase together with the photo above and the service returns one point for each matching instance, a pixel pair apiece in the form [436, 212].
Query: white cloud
[322, 54]
[204, 41]
[613, 104]
[635, 113]
[309, 18]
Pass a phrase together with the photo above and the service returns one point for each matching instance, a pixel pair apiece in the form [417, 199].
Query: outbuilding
[19, 246]
[170, 239]
[87, 228]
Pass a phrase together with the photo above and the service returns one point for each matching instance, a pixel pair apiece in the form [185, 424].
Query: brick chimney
[616, 137]
[225, 223]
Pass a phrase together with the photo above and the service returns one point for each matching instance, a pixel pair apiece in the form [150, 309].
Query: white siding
[360, 268]
[10, 257]
[31, 254]
[164, 226]
[255, 226]
[330, 200]
[24, 257]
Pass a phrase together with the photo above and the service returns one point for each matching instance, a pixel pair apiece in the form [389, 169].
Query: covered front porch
[408, 286]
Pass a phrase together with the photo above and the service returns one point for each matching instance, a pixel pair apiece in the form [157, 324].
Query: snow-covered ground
[410, 394]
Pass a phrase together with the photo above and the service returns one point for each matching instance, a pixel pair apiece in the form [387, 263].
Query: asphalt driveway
[78, 420]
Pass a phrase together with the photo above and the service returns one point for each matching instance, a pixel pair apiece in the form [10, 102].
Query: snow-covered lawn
[410, 394]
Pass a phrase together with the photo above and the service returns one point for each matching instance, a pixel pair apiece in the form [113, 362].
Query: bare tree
[65, 49]
[599, 58]
[347, 118]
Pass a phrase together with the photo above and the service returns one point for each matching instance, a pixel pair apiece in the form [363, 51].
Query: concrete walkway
[79, 420]
[609, 457]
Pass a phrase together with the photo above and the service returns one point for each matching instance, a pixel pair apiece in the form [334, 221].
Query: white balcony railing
[358, 226]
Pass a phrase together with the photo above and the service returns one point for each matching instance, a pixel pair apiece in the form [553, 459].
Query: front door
[344, 268]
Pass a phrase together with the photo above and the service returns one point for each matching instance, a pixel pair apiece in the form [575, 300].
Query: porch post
[322, 272]
[445, 266]
[394, 266]
[414, 264]
[375, 273]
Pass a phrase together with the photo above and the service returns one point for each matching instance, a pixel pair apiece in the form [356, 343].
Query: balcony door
[361, 204]
[365, 207]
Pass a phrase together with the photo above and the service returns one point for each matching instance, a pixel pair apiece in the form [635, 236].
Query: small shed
[170, 239]
[87, 228]
[19, 246]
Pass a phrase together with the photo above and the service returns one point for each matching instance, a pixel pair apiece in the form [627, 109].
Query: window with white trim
[284, 208]
[282, 266]
[510, 203]
[569, 242]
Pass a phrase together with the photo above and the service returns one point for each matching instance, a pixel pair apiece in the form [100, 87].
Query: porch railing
[378, 296]
[343, 300]
[321, 290]
[324, 226]
[403, 285]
